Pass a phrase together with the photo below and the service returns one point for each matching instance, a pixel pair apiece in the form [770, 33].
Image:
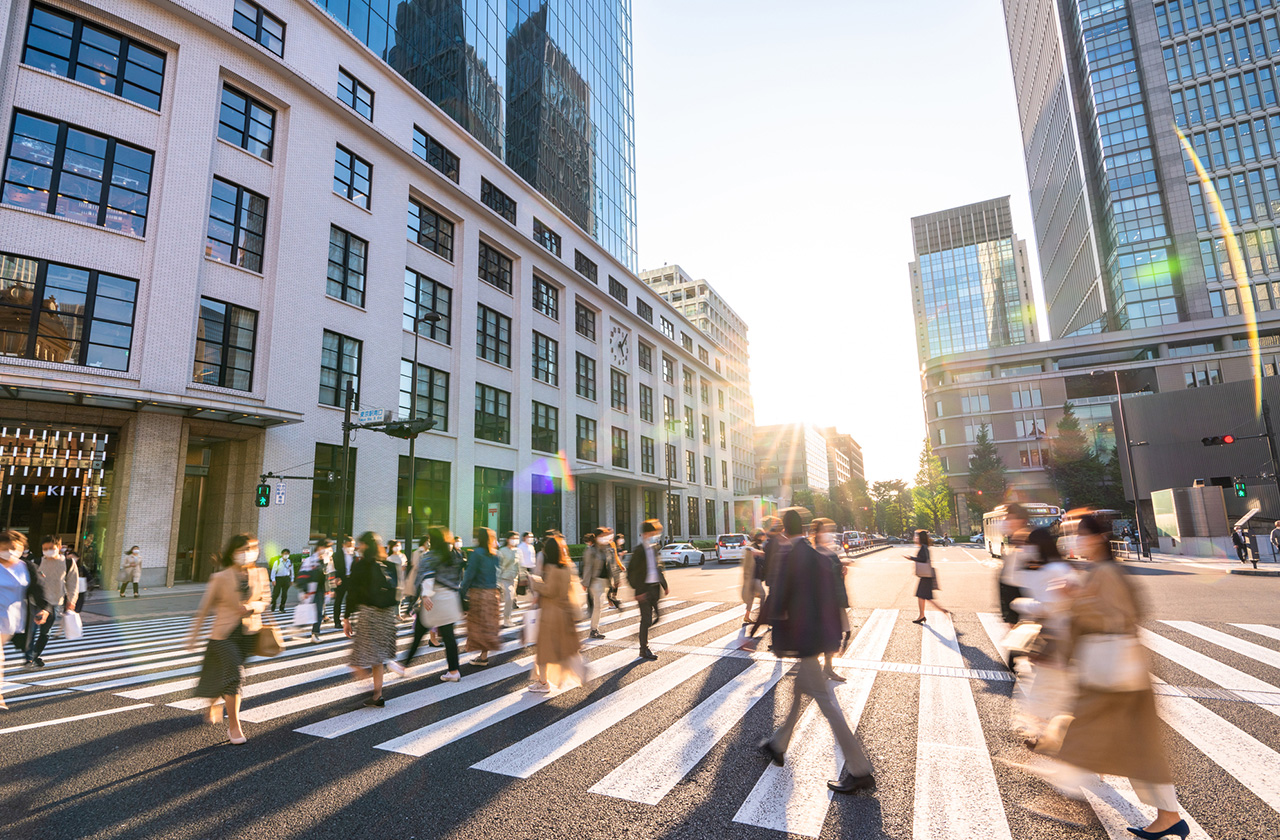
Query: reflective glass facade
[545, 85]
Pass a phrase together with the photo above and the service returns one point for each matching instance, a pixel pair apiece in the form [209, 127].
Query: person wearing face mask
[508, 571]
[131, 571]
[311, 581]
[22, 601]
[236, 596]
[281, 574]
[342, 563]
[61, 583]
[824, 533]
[595, 575]
[645, 575]
[372, 601]
[528, 556]
[618, 569]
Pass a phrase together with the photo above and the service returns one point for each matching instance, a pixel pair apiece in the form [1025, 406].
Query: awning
[264, 417]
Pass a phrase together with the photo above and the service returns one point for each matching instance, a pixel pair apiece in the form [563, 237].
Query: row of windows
[1232, 145]
[1222, 98]
[1225, 49]
[1180, 16]
[1245, 196]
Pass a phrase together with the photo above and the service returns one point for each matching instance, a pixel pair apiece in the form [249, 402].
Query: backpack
[383, 583]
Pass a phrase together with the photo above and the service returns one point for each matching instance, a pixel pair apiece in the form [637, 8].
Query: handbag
[268, 641]
[1023, 639]
[305, 614]
[446, 608]
[1111, 662]
[923, 569]
[72, 626]
[531, 618]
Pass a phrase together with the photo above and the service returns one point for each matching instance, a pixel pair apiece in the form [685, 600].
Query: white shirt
[397, 558]
[526, 555]
[1011, 571]
[13, 616]
[652, 556]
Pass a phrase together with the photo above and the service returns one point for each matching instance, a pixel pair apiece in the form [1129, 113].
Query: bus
[1071, 522]
[1039, 516]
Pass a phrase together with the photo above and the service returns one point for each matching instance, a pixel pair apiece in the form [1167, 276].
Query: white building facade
[203, 239]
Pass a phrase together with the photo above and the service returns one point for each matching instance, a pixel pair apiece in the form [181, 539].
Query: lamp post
[1128, 457]
[430, 317]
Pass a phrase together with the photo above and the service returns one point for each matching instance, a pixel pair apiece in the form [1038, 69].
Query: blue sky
[782, 150]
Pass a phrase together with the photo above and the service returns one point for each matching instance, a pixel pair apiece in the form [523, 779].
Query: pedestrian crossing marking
[1258, 653]
[1206, 666]
[1117, 807]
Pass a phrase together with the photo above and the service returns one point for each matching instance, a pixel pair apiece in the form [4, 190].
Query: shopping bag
[268, 642]
[304, 615]
[1111, 662]
[72, 626]
[531, 626]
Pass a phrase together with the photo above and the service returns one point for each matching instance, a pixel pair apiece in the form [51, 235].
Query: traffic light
[263, 497]
[1219, 440]
[1241, 490]
[406, 429]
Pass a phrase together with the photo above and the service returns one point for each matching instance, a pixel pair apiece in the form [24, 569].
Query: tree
[1077, 472]
[986, 475]
[892, 502]
[932, 493]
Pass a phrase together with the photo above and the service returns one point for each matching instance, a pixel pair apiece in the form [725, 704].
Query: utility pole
[1133, 479]
[418, 319]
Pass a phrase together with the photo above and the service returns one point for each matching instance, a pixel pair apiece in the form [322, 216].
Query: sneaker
[450, 676]
[38, 662]
[315, 639]
[540, 688]
[396, 668]
[376, 702]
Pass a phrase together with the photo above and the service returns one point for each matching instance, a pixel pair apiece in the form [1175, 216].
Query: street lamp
[1128, 457]
[430, 317]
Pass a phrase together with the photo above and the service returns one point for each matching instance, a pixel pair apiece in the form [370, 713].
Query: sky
[781, 152]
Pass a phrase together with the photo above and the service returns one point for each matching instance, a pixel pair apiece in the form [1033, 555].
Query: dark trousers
[1243, 553]
[126, 583]
[40, 634]
[648, 612]
[339, 594]
[280, 590]
[446, 636]
[1007, 594]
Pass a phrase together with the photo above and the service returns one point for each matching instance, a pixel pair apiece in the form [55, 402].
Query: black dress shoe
[649, 655]
[766, 747]
[1178, 829]
[850, 783]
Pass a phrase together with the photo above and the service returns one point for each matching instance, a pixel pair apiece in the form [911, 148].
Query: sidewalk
[106, 605]
[1266, 566]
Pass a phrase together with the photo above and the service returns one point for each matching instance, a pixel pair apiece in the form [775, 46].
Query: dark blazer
[806, 608]
[367, 575]
[638, 568]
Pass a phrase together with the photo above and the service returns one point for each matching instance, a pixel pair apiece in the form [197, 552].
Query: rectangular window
[546, 428]
[347, 256]
[586, 377]
[339, 364]
[546, 359]
[673, 513]
[647, 464]
[545, 496]
[942, 437]
[546, 237]
[720, 394]
[56, 168]
[708, 477]
[724, 474]
[495, 267]
[58, 313]
[77, 49]
[326, 494]
[704, 356]
[546, 298]
[695, 528]
[668, 411]
[644, 310]
[621, 454]
[704, 391]
[432, 494]
[618, 291]
[686, 342]
[493, 336]
[646, 403]
[498, 201]
[432, 394]
[691, 467]
[668, 328]
[424, 296]
[668, 371]
[245, 122]
[586, 438]
[224, 345]
[584, 320]
[584, 266]
[650, 500]
[687, 376]
[724, 439]
[493, 488]
[354, 93]
[672, 465]
[493, 414]
[255, 22]
[352, 176]
[688, 422]
[435, 153]
[646, 356]
[617, 389]
[430, 230]
[706, 429]
[237, 225]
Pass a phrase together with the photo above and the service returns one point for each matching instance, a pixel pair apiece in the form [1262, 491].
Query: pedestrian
[782, 532]
[395, 555]
[408, 604]
[373, 582]
[131, 570]
[1275, 542]
[312, 582]
[236, 596]
[281, 579]
[1043, 691]
[557, 661]
[645, 575]
[617, 570]
[342, 563]
[481, 597]
[436, 582]
[22, 601]
[824, 540]
[752, 563]
[1241, 544]
[804, 594]
[596, 561]
[927, 577]
[1015, 529]
[83, 582]
[508, 571]
[1115, 728]
[60, 581]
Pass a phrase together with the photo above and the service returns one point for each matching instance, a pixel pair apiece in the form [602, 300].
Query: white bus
[1039, 516]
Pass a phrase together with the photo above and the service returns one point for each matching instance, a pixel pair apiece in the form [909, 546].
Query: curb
[1257, 572]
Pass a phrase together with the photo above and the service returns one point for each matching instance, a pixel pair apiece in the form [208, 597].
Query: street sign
[280, 493]
[371, 415]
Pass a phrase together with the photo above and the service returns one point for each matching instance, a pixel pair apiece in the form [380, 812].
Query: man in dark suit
[644, 573]
[342, 563]
[805, 614]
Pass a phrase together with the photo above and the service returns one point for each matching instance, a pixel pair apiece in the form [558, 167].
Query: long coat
[558, 652]
[1115, 733]
[131, 569]
[803, 605]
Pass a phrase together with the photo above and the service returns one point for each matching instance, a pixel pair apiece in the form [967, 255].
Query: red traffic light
[1218, 440]
[1228, 438]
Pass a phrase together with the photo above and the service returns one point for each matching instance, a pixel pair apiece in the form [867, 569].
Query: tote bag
[72, 626]
[304, 614]
[446, 607]
[531, 626]
[1111, 662]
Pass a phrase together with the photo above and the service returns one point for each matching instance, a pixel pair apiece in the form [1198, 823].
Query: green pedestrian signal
[263, 498]
[1241, 490]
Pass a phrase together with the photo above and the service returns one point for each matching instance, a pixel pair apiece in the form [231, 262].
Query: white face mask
[513, 542]
[10, 555]
[51, 552]
[529, 541]
[247, 557]
[652, 539]
[134, 552]
[826, 539]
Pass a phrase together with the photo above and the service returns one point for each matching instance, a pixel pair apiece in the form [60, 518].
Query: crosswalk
[1217, 685]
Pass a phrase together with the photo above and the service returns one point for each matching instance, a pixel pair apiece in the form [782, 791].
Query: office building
[790, 457]
[198, 256]
[844, 457]
[969, 285]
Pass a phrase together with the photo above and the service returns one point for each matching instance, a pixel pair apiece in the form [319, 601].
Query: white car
[683, 553]
[731, 547]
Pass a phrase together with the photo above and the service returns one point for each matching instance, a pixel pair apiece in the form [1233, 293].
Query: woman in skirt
[928, 577]
[372, 596]
[235, 596]
[479, 591]
[558, 659]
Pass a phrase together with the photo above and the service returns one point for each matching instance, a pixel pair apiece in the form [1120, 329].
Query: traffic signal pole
[1271, 445]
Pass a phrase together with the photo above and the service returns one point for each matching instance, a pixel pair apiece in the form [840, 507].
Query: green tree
[892, 501]
[1076, 470]
[986, 475]
[931, 495]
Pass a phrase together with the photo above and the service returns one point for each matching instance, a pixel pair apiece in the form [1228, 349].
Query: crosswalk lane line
[100, 713]
[951, 745]
[794, 798]
[1117, 806]
[422, 741]
[529, 755]
[996, 631]
[1258, 653]
[1206, 666]
[1261, 630]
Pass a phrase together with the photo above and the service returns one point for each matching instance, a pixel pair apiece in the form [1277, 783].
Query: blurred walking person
[647, 580]
[1275, 543]
[618, 569]
[1241, 543]
[927, 577]
[373, 582]
[1010, 585]
[479, 592]
[596, 575]
[22, 602]
[236, 596]
[508, 571]
[753, 573]
[131, 570]
[342, 562]
[281, 579]
[1043, 691]
[312, 582]
[558, 659]
[60, 581]
[528, 557]
[824, 539]
[436, 582]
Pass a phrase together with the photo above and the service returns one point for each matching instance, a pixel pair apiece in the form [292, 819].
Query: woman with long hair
[558, 659]
[436, 582]
[236, 595]
[928, 577]
[373, 584]
[1043, 690]
[752, 573]
[479, 591]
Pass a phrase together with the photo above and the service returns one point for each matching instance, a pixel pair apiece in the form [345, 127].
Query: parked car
[977, 538]
[683, 553]
[730, 547]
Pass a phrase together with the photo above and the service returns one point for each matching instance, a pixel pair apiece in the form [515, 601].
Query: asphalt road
[107, 743]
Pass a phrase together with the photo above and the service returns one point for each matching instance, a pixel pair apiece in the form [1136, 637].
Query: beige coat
[222, 600]
[559, 650]
[131, 569]
[1115, 733]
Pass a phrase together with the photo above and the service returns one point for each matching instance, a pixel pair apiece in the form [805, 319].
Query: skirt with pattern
[222, 673]
[484, 610]
[375, 637]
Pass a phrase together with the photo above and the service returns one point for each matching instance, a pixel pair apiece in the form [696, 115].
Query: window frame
[621, 446]
[584, 266]
[617, 390]
[587, 438]
[224, 346]
[644, 310]
[644, 356]
[585, 377]
[497, 258]
[437, 406]
[250, 103]
[546, 297]
[648, 456]
[668, 328]
[434, 329]
[485, 420]
[497, 201]
[546, 237]
[646, 403]
[550, 367]
[339, 389]
[584, 320]
[436, 155]
[238, 228]
[441, 244]
[257, 35]
[617, 290]
[493, 344]
[548, 412]
[355, 89]
[349, 192]
[345, 267]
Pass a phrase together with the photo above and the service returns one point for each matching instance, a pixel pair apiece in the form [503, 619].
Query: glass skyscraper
[969, 281]
[544, 84]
